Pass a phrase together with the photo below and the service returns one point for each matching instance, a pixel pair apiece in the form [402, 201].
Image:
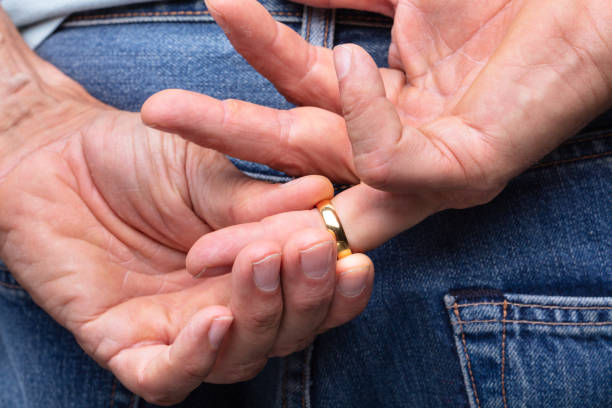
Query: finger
[301, 72]
[370, 217]
[164, 374]
[220, 248]
[308, 279]
[354, 282]
[298, 141]
[257, 306]
[387, 155]
[238, 199]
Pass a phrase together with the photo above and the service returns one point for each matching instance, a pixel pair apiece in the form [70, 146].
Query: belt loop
[318, 26]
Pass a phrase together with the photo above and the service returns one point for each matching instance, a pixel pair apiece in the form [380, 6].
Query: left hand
[97, 215]
[476, 93]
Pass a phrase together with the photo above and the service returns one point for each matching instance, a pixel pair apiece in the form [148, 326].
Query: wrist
[34, 111]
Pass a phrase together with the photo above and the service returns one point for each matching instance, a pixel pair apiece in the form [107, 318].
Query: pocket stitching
[532, 306]
[567, 161]
[503, 356]
[534, 322]
[467, 355]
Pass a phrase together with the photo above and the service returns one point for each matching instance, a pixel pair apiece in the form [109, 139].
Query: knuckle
[197, 373]
[374, 169]
[263, 320]
[306, 305]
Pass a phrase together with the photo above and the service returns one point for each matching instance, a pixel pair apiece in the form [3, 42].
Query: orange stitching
[477, 321]
[503, 359]
[308, 21]
[560, 323]
[165, 13]
[587, 139]
[327, 20]
[535, 306]
[543, 322]
[592, 156]
[467, 356]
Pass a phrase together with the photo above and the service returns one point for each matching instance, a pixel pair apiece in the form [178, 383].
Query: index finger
[303, 73]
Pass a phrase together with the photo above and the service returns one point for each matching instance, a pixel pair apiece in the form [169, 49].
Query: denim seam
[355, 19]
[587, 139]
[306, 377]
[132, 401]
[326, 33]
[164, 13]
[467, 356]
[304, 380]
[284, 384]
[10, 286]
[533, 306]
[308, 23]
[503, 355]
[533, 322]
[556, 163]
[363, 24]
[114, 389]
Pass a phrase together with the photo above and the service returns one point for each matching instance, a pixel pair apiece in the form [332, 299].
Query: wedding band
[332, 222]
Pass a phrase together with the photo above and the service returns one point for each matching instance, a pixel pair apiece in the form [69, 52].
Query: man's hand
[97, 214]
[476, 93]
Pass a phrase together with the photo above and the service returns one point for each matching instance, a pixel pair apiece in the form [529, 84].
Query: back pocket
[533, 351]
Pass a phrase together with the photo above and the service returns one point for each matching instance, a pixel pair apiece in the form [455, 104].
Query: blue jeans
[503, 305]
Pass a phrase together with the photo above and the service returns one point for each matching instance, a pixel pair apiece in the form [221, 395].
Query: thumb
[225, 196]
[387, 155]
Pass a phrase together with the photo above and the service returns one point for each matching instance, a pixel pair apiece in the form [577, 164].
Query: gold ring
[332, 222]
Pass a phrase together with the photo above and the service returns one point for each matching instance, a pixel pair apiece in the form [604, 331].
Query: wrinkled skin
[476, 92]
[98, 212]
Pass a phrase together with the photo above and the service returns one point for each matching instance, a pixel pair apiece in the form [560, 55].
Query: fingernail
[317, 260]
[342, 59]
[218, 329]
[353, 281]
[199, 274]
[213, 271]
[266, 273]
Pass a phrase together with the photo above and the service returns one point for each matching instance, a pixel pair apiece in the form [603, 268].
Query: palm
[437, 51]
[95, 214]
[113, 229]
[476, 92]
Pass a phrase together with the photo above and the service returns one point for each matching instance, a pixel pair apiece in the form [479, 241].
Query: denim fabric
[40, 363]
[540, 252]
[520, 350]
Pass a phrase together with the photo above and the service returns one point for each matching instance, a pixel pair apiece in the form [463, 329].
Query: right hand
[476, 93]
[97, 215]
